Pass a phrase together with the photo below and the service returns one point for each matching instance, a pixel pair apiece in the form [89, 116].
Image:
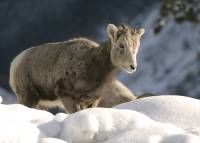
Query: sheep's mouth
[129, 69]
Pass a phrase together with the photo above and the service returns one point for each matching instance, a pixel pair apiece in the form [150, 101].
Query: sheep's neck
[105, 48]
[106, 66]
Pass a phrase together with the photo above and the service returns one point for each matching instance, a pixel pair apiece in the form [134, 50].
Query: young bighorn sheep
[73, 71]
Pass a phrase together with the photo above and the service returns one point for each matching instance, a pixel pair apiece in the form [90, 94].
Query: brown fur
[115, 93]
[73, 70]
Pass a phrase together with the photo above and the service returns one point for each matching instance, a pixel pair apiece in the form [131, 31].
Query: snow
[158, 119]
[114, 125]
[18, 132]
[167, 109]
[22, 113]
[51, 140]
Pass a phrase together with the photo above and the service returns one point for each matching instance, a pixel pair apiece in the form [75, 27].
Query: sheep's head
[125, 42]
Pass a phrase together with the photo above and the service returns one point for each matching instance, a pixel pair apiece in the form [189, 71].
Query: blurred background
[169, 57]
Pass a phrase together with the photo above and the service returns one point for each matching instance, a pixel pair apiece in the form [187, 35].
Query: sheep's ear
[141, 32]
[111, 30]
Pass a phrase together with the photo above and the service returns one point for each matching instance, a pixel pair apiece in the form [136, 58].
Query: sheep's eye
[121, 46]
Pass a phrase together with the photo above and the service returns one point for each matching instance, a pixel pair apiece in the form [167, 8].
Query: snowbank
[114, 125]
[20, 124]
[51, 140]
[179, 110]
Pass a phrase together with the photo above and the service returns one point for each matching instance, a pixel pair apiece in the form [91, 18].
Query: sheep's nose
[132, 67]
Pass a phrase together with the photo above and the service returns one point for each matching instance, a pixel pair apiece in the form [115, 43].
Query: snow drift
[167, 109]
[156, 119]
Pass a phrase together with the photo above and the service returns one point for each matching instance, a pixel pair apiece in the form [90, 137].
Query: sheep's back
[45, 64]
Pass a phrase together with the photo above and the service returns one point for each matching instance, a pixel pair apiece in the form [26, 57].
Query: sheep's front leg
[95, 103]
[72, 105]
[69, 104]
[81, 106]
[85, 105]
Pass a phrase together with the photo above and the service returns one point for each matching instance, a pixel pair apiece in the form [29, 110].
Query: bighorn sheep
[75, 70]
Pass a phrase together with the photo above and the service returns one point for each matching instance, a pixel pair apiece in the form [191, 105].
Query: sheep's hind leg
[96, 103]
[27, 101]
[26, 92]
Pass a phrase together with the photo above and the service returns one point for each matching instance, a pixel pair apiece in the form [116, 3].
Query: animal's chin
[128, 70]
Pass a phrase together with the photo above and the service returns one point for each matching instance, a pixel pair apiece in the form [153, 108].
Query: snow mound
[179, 110]
[51, 140]
[20, 112]
[20, 124]
[18, 132]
[114, 125]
